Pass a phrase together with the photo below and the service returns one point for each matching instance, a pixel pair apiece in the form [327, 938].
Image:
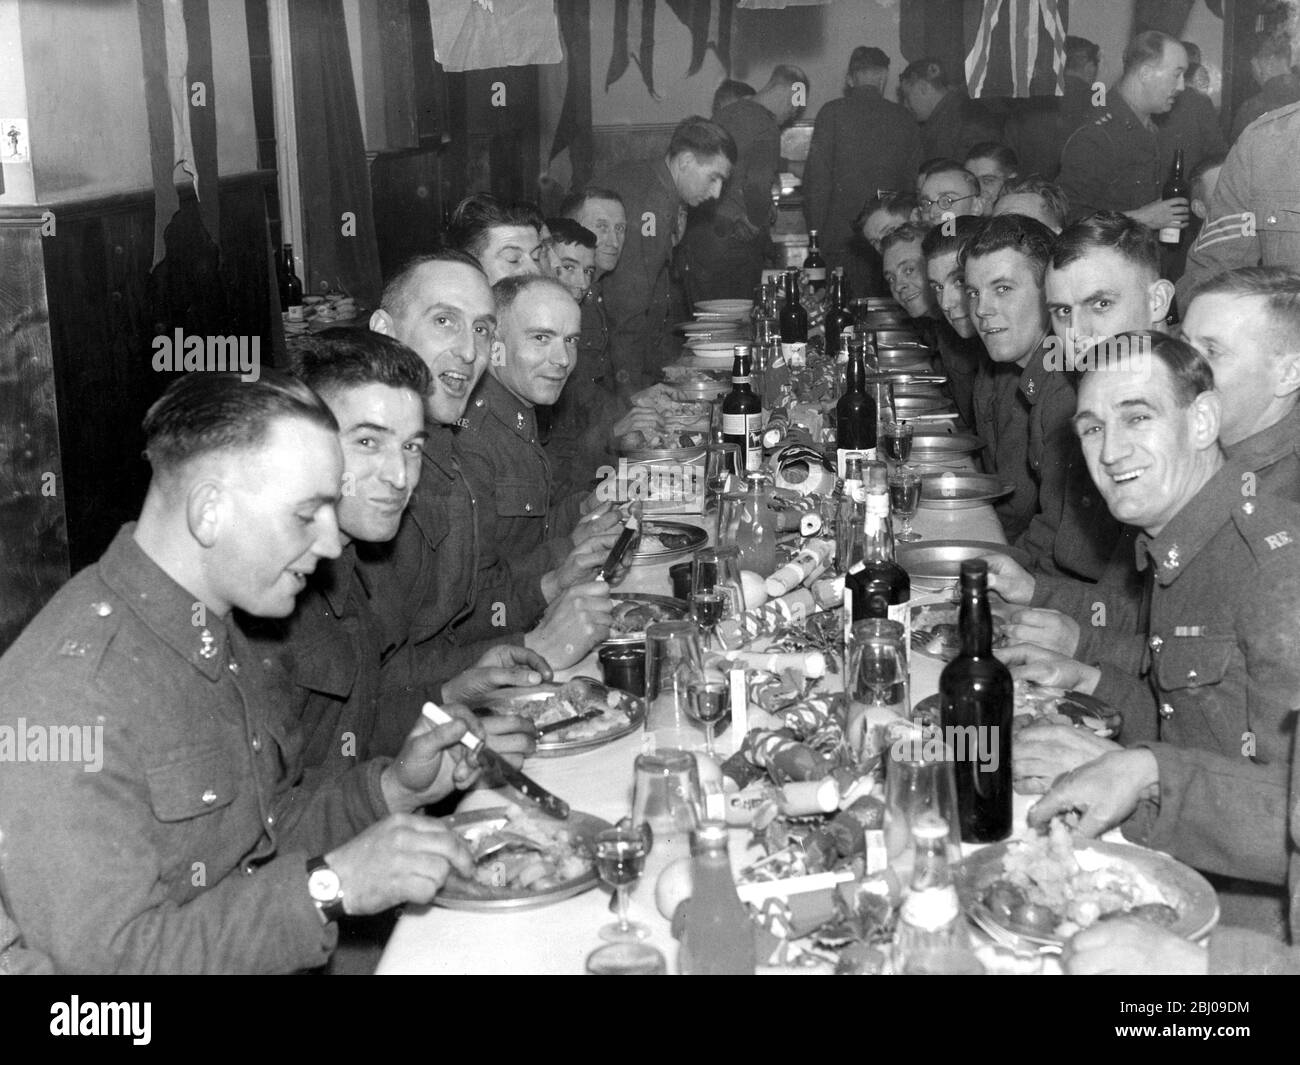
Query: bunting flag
[709, 22]
[176, 50]
[1015, 41]
[573, 131]
[701, 17]
[502, 33]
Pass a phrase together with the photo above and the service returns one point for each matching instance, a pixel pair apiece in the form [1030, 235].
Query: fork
[982, 918]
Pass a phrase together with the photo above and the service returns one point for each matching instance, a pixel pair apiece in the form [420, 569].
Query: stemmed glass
[897, 439]
[716, 590]
[708, 698]
[905, 498]
[620, 859]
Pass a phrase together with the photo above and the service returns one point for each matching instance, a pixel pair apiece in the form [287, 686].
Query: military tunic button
[209, 797]
[257, 743]
[1272, 220]
[234, 667]
[102, 609]
[528, 507]
[1156, 642]
[249, 869]
[270, 820]
[1248, 508]
[1166, 711]
[1192, 676]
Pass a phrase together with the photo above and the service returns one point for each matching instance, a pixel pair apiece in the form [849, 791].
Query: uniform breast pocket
[522, 499]
[1202, 703]
[195, 782]
[1191, 662]
[1277, 222]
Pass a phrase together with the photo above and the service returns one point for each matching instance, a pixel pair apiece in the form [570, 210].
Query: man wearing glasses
[947, 189]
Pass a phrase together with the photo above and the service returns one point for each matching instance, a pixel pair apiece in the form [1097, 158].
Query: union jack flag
[1019, 49]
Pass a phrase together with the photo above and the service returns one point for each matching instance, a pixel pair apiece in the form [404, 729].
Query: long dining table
[557, 938]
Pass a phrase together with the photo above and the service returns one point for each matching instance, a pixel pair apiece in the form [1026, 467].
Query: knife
[631, 530]
[489, 759]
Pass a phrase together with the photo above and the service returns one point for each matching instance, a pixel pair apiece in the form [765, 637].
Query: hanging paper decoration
[709, 22]
[1006, 51]
[502, 33]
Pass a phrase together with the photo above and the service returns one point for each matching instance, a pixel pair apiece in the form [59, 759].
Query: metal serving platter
[460, 894]
[695, 453]
[960, 491]
[673, 609]
[945, 445]
[554, 744]
[940, 560]
[906, 406]
[1182, 888]
[694, 538]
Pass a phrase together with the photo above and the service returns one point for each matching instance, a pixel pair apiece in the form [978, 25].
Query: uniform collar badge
[208, 645]
[1171, 557]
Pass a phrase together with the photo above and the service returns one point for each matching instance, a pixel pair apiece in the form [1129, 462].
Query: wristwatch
[325, 889]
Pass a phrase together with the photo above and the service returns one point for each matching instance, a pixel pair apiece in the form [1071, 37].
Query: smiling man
[995, 166]
[904, 265]
[640, 294]
[1221, 680]
[946, 189]
[960, 350]
[192, 850]
[504, 238]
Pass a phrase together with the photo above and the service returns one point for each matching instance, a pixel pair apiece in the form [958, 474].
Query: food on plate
[1048, 888]
[656, 540]
[575, 700]
[1040, 703]
[935, 631]
[633, 616]
[527, 852]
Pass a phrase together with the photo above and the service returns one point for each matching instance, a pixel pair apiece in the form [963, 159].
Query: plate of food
[1057, 706]
[523, 859]
[598, 714]
[665, 540]
[1046, 888]
[938, 562]
[935, 633]
[633, 611]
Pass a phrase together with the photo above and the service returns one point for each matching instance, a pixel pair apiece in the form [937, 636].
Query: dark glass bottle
[794, 324]
[718, 939]
[742, 412]
[838, 317]
[814, 267]
[1175, 187]
[855, 413]
[975, 689]
[290, 284]
[877, 586]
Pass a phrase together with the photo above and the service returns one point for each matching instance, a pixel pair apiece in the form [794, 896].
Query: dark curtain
[333, 173]
[1167, 16]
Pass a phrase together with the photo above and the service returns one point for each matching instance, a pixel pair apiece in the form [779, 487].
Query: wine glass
[717, 591]
[620, 859]
[708, 699]
[876, 682]
[897, 439]
[904, 498]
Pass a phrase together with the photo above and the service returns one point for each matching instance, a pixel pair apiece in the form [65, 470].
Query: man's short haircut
[1079, 52]
[950, 166]
[1128, 238]
[204, 413]
[344, 357]
[1146, 48]
[1196, 179]
[904, 234]
[950, 239]
[866, 59]
[1189, 371]
[998, 152]
[703, 138]
[899, 204]
[1053, 196]
[476, 215]
[1268, 46]
[1015, 232]
[567, 231]
[1277, 286]
[396, 297]
[927, 69]
[509, 289]
[786, 74]
[728, 92]
[573, 203]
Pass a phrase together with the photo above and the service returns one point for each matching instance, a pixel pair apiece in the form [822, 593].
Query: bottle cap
[975, 573]
[711, 835]
[929, 826]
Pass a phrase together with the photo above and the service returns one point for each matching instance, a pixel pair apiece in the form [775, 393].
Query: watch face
[323, 885]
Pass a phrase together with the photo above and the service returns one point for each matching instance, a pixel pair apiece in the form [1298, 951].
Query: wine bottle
[850, 516]
[877, 586]
[855, 413]
[1175, 187]
[742, 412]
[290, 283]
[719, 936]
[794, 324]
[977, 697]
[814, 266]
[838, 319]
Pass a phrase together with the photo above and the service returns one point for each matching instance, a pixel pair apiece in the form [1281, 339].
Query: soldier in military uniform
[951, 123]
[1119, 161]
[1220, 679]
[188, 845]
[1254, 215]
[334, 645]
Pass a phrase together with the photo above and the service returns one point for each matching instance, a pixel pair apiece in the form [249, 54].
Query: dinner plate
[691, 537]
[555, 744]
[697, 327]
[671, 608]
[459, 894]
[1182, 887]
[735, 307]
[945, 445]
[960, 491]
[928, 615]
[940, 560]
[911, 406]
